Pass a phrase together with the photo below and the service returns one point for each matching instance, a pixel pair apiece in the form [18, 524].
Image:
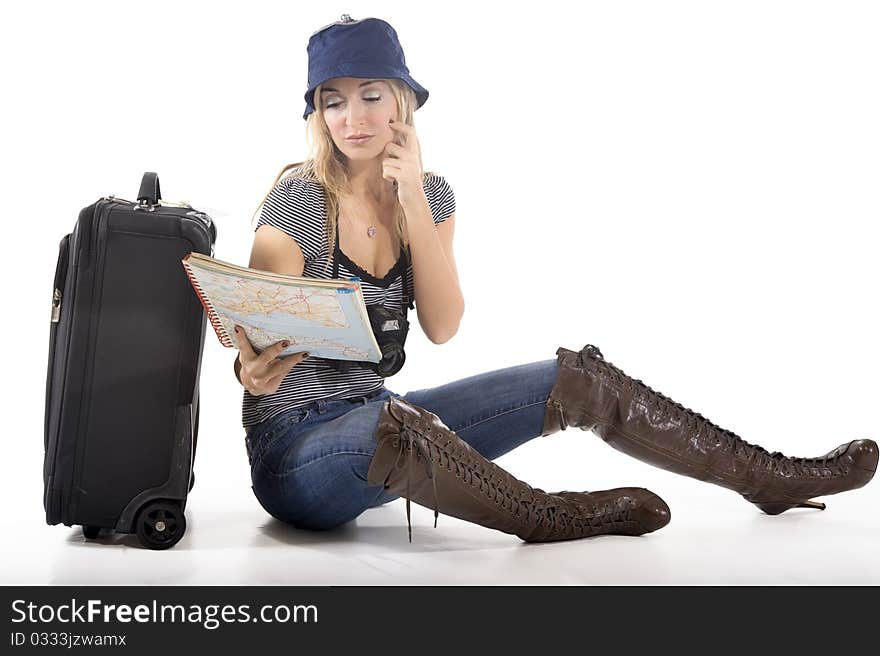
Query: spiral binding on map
[212, 314]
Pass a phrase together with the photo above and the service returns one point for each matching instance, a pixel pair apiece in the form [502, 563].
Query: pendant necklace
[371, 231]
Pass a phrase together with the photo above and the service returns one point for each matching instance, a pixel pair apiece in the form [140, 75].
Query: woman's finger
[405, 128]
[271, 352]
[244, 344]
[283, 366]
[397, 151]
[274, 382]
[390, 172]
[406, 132]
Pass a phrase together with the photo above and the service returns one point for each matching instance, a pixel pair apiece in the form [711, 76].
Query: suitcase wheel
[91, 532]
[160, 524]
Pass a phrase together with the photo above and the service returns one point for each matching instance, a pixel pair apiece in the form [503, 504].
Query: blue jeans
[309, 464]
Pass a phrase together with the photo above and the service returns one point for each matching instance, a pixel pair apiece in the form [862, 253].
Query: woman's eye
[334, 104]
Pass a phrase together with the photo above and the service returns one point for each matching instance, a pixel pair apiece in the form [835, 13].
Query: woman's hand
[263, 373]
[401, 164]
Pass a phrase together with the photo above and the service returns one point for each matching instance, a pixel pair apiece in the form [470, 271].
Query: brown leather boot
[418, 457]
[592, 394]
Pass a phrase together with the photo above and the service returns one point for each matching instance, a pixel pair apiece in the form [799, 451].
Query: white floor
[701, 260]
[714, 537]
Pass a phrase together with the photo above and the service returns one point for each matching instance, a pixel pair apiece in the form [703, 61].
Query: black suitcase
[125, 352]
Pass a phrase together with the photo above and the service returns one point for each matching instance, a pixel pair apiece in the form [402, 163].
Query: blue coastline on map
[285, 325]
[341, 329]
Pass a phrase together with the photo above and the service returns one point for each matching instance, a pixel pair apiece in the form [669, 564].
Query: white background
[690, 186]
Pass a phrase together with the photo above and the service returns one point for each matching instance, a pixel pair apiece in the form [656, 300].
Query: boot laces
[409, 446]
[562, 515]
[776, 461]
[434, 456]
[567, 517]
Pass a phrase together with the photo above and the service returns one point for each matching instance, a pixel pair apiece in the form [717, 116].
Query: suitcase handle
[149, 193]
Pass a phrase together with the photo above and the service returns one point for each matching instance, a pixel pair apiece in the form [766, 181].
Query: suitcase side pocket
[57, 298]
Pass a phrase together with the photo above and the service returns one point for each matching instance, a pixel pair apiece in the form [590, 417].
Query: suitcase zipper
[60, 277]
[100, 218]
[161, 203]
[201, 216]
[56, 306]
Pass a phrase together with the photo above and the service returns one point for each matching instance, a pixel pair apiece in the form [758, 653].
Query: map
[328, 321]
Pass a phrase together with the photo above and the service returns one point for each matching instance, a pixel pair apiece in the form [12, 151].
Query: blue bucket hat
[366, 48]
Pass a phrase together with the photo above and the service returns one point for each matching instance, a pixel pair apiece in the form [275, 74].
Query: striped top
[297, 207]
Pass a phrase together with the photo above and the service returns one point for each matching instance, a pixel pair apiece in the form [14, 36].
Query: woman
[326, 443]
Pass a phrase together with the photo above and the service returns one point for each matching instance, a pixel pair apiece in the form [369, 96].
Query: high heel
[776, 508]
[592, 394]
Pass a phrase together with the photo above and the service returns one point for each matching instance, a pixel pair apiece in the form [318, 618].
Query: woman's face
[354, 106]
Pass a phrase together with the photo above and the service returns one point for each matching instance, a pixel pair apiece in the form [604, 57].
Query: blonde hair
[326, 165]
